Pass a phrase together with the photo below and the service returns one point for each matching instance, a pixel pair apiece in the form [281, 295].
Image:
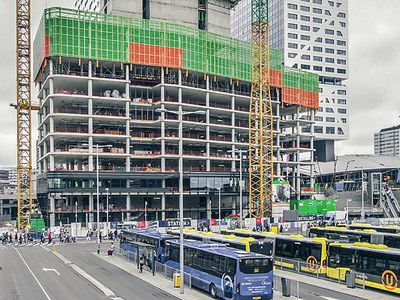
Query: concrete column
[278, 137]
[128, 207]
[209, 208]
[208, 162]
[91, 208]
[312, 174]
[162, 122]
[128, 121]
[52, 210]
[163, 207]
[233, 163]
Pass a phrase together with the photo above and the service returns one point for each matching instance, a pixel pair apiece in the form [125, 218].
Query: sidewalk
[165, 284]
[334, 286]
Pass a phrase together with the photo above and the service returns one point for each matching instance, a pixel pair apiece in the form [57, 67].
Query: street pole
[348, 200]
[108, 225]
[181, 256]
[362, 194]
[98, 200]
[76, 220]
[240, 189]
[145, 214]
[219, 210]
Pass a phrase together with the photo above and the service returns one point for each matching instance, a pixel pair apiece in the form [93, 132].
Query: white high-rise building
[313, 36]
[387, 141]
[89, 5]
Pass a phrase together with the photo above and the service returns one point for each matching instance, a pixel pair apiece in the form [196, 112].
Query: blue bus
[131, 238]
[222, 271]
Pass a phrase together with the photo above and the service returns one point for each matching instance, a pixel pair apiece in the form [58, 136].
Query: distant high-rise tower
[313, 36]
[387, 141]
[89, 5]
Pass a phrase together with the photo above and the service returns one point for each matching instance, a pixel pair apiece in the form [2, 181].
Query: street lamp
[347, 202]
[97, 191]
[181, 113]
[145, 214]
[219, 210]
[362, 192]
[108, 225]
[76, 220]
[240, 151]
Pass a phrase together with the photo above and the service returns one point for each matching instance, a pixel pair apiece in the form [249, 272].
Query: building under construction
[109, 89]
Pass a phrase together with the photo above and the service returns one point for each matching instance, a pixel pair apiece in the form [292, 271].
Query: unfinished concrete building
[103, 80]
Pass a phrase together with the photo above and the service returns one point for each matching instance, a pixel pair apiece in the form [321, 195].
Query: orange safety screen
[299, 97]
[275, 77]
[161, 56]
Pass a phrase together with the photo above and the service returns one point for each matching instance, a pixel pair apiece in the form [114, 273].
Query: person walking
[111, 249]
[88, 235]
[141, 263]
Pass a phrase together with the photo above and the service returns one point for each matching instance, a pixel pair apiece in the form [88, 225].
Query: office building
[387, 141]
[113, 92]
[88, 5]
[312, 35]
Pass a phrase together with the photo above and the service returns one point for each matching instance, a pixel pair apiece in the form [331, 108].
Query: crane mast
[260, 116]
[23, 106]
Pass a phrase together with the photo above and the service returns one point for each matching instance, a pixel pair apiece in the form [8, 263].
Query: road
[22, 275]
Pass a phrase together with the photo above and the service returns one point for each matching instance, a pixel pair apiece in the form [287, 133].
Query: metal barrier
[294, 286]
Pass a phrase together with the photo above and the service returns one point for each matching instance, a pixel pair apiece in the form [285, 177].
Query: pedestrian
[49, 237]
[141, 263]
[88, 235]
[111, 249]
[281, 229]
[116, 235]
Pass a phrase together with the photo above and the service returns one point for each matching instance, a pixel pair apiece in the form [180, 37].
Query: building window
[292, 16]
[329, 70]
[330, 41]
[330, 119]
[317, 58]
[341, 92]
[292, 55]
[304, 8]
[305, 57]
[320, 109]
[292, 6]
[344, 120]
[330, 50]
[340, 131]
[341, 62]
[318, 119]
[341, 15]
[329, 60]
[341, 110]
[318, 39]
[292, 26]
[328, 13]
[305, 28]
[292, 45]
[329, 109]
[317, 20]
[316, 29]
[305, 37]
[317, 68]
[317, 1]
[338, 4]
[341, 52]
[341, 71]
[305, 18]
[305, 67]
[330, 130]
[318, 129]
[341, 43]
[343, 24]
[292, 35]
[339, 33]
[317, 49]
[331, 3]
[317, 11]
[341, 101]
[330, 31]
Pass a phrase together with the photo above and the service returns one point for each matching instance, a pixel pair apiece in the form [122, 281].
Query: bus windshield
[255, 265]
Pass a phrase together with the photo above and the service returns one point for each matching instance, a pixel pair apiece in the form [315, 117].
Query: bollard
[53, 248]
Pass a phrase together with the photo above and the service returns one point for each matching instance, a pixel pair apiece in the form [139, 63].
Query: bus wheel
[213, 290]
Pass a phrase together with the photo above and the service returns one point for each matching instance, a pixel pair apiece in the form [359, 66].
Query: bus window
[264, 248]
[255, 265]
[394, 263]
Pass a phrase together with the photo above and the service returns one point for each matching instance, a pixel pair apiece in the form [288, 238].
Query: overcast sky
[374, 28]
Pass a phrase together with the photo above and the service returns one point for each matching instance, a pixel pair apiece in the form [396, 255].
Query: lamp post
[347, 206]
[97, 192]
[362, 192]
[240, 151]
[180, 113]
[108, 225]
[145, 214]
[76, 220]
[219, 210]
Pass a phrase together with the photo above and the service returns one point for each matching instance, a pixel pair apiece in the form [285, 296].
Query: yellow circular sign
[312, 263]
[389, 280]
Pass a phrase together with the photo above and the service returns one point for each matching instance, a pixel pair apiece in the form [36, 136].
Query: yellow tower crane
[260, 116]
[24, 108]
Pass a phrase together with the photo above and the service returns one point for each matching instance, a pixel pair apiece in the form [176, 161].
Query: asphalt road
[22, 276]
[120, 282]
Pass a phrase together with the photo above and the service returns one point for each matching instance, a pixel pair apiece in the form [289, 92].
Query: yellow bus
[386, 229]
[293, 251]
[379, 264]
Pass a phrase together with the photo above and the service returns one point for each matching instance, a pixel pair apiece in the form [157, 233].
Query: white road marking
[329, 298]
[47, 296]
[51, 270]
